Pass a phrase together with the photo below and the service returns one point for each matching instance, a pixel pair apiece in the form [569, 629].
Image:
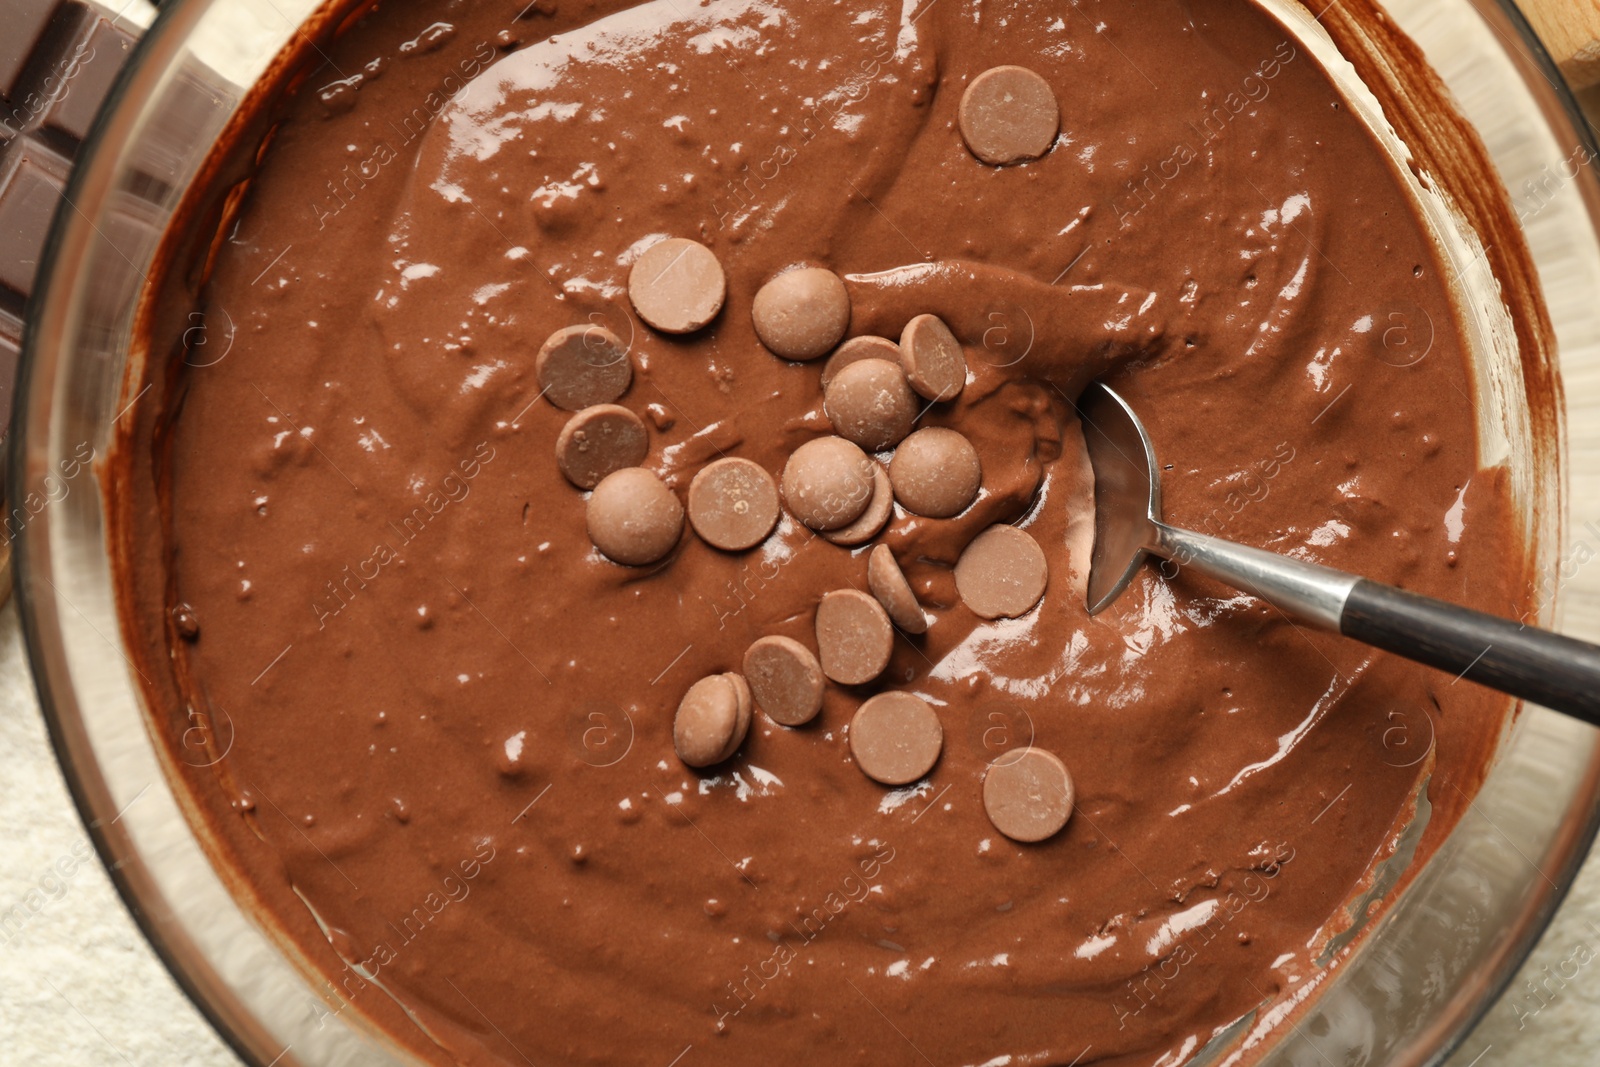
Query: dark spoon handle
[1560, 673]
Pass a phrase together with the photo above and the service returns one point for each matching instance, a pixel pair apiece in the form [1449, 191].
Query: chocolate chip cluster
[874, 392]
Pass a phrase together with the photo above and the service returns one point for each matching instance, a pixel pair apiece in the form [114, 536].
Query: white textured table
[79, 986]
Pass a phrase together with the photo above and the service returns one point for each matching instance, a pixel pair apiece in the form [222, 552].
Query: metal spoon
[1558, 672]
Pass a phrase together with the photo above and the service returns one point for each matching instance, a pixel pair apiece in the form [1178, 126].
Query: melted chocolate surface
[450, 719]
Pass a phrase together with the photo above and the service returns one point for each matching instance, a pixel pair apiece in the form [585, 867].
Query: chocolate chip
[185, 622]
[871, 405]
[747, 710]
[803, 313]
[828, 483]
[633, 518]
[1002, 573]
[785, 678]
[855, 350]
[598, 441]
[896, 738]
[932, 357]
[1008, 115]
[853, 636]
[733, 504]
[1028, 794]
[888, 583]
[936, 473]
[677, 285]
[707, 728]
[581, 366]
[873, 519]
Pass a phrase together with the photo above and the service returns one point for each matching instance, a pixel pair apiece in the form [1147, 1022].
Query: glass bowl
[1413, 986]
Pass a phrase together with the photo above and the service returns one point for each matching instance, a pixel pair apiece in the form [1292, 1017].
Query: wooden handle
[1570, 30]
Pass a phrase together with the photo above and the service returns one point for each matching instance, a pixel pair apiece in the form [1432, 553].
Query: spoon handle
[1557, 672]
[1560, 673]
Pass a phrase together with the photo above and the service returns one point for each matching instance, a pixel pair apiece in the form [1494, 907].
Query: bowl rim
[1457, 1018]
[172, 17]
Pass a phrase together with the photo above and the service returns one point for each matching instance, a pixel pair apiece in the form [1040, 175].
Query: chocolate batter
[436, 725]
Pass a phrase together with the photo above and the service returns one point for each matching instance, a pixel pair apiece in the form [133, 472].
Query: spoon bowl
[1558, 672]
[1127, 492]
